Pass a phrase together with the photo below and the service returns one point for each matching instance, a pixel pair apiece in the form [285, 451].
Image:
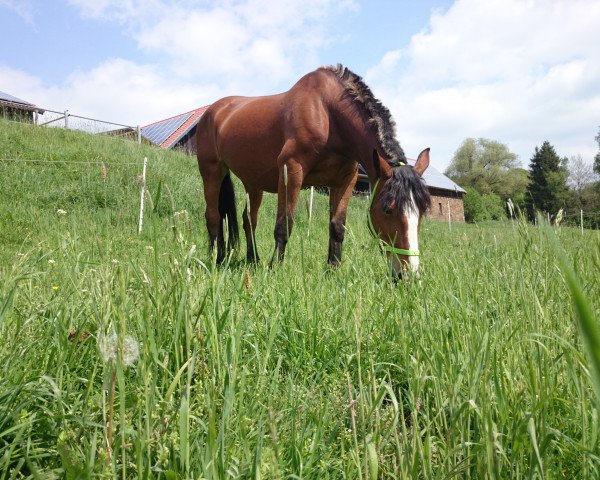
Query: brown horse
[315, 134]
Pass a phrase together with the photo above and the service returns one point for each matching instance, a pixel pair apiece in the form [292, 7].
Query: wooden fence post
[142, 196]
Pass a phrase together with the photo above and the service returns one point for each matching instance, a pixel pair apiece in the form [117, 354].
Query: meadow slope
[478, 371]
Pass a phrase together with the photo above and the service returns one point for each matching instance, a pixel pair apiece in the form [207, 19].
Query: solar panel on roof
[10, 98]
[159, 132]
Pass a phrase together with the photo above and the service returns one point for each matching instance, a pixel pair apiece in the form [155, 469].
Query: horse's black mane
[404, 180]
[397, 190]
[380, 117]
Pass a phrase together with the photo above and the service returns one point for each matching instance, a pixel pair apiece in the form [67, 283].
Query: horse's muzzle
[404, 269]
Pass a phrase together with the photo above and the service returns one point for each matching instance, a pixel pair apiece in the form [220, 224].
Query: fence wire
[80, 162]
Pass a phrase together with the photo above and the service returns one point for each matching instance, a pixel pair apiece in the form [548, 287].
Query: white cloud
[232, 41]
[23, 8]
[199, 50]
[519, 72]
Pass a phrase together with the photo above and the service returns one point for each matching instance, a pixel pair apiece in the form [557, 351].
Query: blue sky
[514, 71]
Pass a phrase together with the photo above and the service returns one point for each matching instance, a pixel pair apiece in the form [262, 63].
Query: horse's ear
[376, 165]
[422, 162]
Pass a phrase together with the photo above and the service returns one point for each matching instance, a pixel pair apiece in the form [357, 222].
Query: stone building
[446, 196]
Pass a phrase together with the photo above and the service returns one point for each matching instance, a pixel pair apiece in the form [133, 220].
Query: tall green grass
[477, 371]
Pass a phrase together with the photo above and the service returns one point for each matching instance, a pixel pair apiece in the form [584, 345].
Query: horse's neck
[355, 133]
[366, 162]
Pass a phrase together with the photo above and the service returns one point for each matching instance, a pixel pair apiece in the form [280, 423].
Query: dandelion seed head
[109, 349]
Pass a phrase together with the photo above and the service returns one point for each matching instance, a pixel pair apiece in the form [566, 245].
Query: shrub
[479, 208]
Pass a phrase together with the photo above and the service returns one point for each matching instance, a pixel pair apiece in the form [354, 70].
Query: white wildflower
[51, 262]
[511, 207]
[60, 211]
[559, 217]
[109, 349]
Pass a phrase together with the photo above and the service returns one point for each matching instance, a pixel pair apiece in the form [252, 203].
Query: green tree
[547, 190]
[489, 167]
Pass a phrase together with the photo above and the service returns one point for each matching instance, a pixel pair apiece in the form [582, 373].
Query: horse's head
[399, 200]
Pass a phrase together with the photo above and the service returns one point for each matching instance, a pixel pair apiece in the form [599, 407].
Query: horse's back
[248, 134]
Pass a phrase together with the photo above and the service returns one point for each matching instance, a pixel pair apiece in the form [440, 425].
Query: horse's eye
[387, 211]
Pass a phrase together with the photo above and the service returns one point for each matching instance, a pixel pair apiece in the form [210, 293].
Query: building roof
[166, 133]
[12, 101]
[433, 178]
[436, 179]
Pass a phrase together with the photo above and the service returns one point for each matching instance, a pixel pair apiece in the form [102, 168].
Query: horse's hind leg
[288, 190]
[212, 176]
[338, 204]
[250, 220]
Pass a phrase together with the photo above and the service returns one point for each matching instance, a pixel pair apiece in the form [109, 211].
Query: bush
[479, 208]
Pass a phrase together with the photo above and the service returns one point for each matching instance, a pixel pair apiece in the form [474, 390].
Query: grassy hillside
[476, 372]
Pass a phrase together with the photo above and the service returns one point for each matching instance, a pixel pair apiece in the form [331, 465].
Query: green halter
[384, 246]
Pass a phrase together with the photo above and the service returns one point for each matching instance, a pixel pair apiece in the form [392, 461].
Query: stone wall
[441, 200]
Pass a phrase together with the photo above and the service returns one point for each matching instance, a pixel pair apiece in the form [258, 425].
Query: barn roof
[166, 133]
[12, 101]
[436, 179]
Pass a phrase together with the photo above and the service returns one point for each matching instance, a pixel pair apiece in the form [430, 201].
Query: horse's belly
[330, 172]
[254, 174]
[254, 161]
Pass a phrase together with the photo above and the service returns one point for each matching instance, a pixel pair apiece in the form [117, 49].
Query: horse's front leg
[288, 190]
[250, 220]
[338, 204]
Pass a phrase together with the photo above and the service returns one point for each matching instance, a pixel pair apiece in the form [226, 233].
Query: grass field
[478, 371]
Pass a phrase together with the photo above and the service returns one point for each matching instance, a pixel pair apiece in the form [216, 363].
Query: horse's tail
[227, 212]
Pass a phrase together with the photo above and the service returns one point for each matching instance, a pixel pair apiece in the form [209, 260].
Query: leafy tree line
[491, 175]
